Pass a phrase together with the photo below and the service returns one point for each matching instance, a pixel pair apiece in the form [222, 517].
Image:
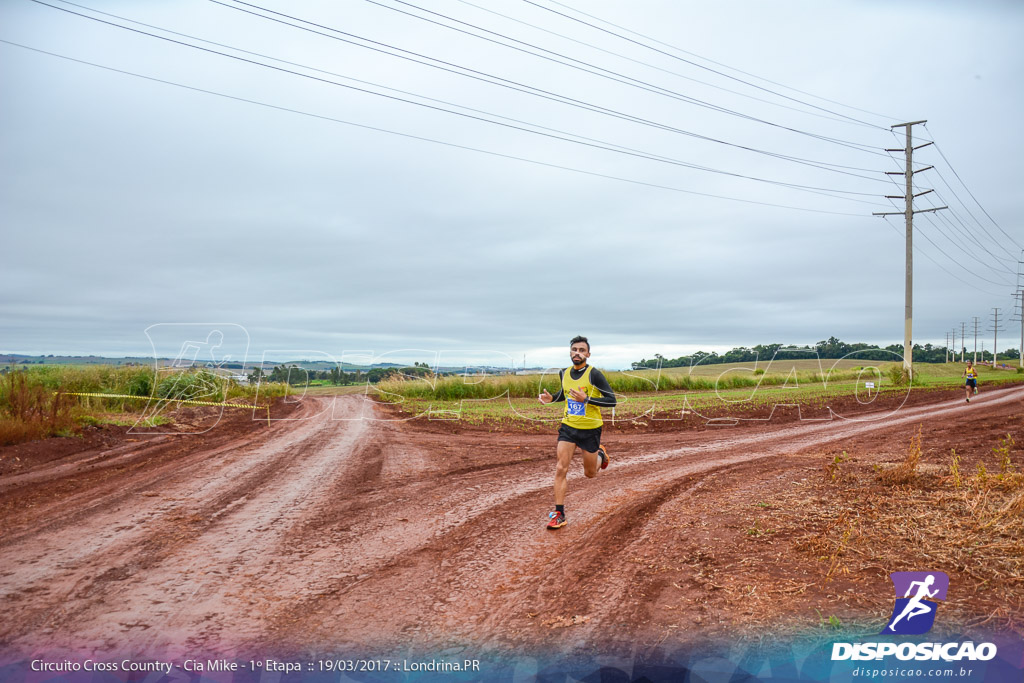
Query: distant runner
[584, 389]
[971, 373]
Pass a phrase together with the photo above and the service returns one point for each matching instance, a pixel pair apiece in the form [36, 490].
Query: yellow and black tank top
[577, 414]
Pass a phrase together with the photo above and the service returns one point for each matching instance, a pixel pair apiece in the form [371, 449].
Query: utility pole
[976, 341]
[963, 341]
[954, 344]
[1018, 310]
[1020, 302]
[1019, 294]
[947, 347]
[995, 340]
[908, 213]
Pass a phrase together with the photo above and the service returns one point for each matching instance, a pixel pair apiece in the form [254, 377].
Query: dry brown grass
[30, 411]
[863, 518]
[971, 527]
[906, 471]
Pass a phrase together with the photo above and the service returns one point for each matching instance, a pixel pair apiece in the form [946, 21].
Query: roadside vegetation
[37, 402]
[924, 504]
[672, 393]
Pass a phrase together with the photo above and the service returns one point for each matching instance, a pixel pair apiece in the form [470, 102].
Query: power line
[1008, 235]
[649, 65]
[608, 74]
[941, 267]
[595, 145]
[968, 210]
[976, 221]
[426, 139]
[868, 149]
[966, 229]
[943, 252]
[908, 213]
[971, 238]
[955, 243]
[480, 111]
[699, 66]
[528, 89]
[731, 68]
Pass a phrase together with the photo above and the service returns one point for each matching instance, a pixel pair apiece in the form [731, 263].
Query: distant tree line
[831, 348]
[296, 376]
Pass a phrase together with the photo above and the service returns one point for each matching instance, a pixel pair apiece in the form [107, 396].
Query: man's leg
[591, 464]
[564, 452]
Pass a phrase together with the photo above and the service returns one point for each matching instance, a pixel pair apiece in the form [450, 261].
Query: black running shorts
[971, 382]
[587, 439]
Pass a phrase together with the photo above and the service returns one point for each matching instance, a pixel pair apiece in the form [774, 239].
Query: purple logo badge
[916, 595]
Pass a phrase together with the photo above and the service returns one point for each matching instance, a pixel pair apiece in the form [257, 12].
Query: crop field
[739, 392]
[41, 400]
[820, 365]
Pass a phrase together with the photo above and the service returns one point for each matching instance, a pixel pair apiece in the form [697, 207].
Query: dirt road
[326, 533]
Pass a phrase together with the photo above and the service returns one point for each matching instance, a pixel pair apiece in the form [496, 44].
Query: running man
[971, 373]
[915, 607]
[585, 390]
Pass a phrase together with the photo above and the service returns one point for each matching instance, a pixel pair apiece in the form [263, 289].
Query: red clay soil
[343, 528]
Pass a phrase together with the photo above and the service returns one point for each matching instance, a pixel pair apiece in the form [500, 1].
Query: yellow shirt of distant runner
[972, 373]
[577, 414]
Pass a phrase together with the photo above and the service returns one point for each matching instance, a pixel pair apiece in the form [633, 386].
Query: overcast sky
[344, 224]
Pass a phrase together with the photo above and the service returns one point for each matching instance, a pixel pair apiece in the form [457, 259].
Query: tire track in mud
[207, 475]
[162, 460]
[465, 561]
[164, 575]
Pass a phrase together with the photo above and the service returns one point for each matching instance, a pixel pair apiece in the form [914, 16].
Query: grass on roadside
[37, 402]
[647, 395]
[972, 524]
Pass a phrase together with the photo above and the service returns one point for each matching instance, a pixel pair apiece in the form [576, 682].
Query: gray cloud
[128, 202]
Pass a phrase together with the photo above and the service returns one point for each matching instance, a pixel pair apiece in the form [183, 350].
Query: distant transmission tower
[995, 340]
[1019, 294]
[1018, 311]
[976, 321]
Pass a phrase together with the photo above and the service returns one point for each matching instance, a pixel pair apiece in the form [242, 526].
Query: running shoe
[556, 519]
[968, 400]
[605, 459]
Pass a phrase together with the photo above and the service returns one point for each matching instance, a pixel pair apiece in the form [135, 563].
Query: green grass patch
[98, 421]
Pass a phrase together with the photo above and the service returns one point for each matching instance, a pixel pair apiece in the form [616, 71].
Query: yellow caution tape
[172, 400]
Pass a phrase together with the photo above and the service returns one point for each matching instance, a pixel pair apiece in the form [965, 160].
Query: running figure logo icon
[914, 613]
